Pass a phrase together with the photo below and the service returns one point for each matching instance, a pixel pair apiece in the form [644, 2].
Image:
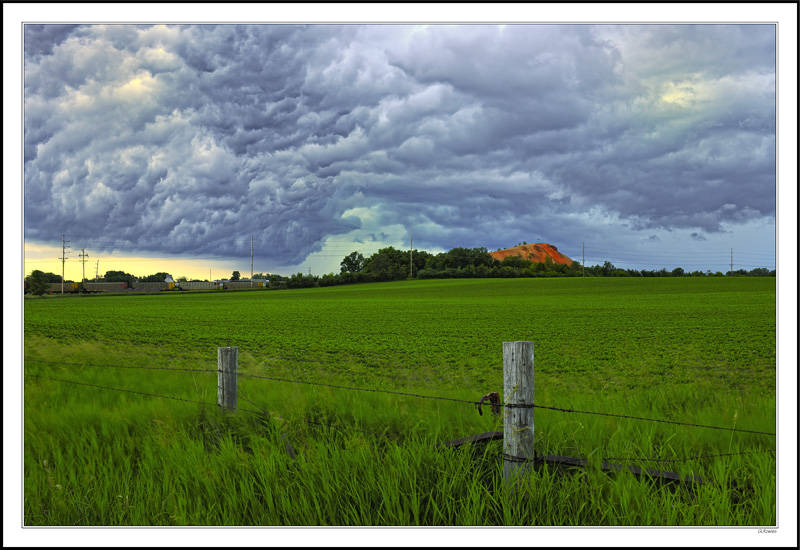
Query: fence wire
[478, 403]
[474, 403]
[263, 411]
[116, 366]
[120, 389]
[688, 459]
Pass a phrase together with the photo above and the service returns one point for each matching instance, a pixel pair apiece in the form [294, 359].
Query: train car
[200, 285]
[157, 286]
[56, 288]
[105, 287]
[244, 284]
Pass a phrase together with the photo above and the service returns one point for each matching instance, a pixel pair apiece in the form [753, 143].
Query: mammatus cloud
[189, 139]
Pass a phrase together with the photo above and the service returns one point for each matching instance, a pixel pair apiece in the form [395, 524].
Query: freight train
[137, 286]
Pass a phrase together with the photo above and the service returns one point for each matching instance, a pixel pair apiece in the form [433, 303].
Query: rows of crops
[621, 333]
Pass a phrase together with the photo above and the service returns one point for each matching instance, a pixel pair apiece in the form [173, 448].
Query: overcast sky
[653, 144]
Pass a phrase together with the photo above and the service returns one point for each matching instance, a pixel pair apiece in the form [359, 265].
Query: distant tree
[235, 276]
[678, 272]
[50, 277]
[463, 257]
[352, 263]
[299, 280]
[119, 277]
[507, 272]
[379, 262]
[387, 264]
[155, 278]
[420, 258]
[37, 282]
[514, 262]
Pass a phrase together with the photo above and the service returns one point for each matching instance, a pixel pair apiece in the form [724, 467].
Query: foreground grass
[224, 472]
[98, 457]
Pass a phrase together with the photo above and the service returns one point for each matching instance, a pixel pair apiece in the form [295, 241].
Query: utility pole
[83, 255]
[251, 259]
[96, 269]
[731, 262]
[583, 258]
[63, 259]
[411, 257]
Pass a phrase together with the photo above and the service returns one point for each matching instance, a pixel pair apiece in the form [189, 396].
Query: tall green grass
[98, 457]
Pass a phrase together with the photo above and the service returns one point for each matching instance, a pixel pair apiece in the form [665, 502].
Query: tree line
[391, 264]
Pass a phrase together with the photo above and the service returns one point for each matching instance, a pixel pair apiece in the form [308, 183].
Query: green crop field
[691, 350]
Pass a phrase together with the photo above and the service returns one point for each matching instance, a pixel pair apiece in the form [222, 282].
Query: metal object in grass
[494, 399]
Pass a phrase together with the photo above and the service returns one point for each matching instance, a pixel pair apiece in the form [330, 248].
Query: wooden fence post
[227, 377]
[518, 409]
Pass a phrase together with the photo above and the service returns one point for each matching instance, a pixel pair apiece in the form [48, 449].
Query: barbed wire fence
[495, 404]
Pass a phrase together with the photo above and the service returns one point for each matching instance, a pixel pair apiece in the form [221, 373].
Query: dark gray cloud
[188, 139]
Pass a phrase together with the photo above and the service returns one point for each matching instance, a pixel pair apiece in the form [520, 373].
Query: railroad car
[55, 288]
[159, 286]
[104, 287]
[199, 285]
[255, 283]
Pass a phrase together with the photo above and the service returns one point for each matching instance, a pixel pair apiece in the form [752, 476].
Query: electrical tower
[83, 255]
[411, 257]
[63, 259]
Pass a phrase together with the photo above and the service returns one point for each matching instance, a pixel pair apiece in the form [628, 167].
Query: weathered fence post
[227, 377]
[518, 409]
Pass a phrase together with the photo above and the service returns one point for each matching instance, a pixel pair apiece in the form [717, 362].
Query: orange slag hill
[534, 252]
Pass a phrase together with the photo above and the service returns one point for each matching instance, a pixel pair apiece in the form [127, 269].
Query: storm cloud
[190, 139]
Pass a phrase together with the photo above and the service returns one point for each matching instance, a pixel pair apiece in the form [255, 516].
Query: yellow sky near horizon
[46, 258]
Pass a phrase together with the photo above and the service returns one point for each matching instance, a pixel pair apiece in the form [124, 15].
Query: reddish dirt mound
[533, 252]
